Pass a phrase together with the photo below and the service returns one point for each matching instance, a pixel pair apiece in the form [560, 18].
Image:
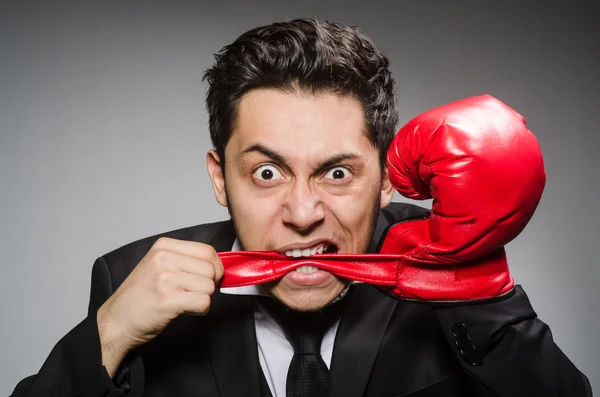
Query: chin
[309, 299]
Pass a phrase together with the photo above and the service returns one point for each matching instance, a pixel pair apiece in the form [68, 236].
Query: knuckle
[207, 251]
[209, 271]
[160, 257]
[219, 269]
[210, 287]
[203, 303]
[161, 242]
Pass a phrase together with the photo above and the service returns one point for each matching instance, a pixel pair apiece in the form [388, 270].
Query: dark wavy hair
[304, 55]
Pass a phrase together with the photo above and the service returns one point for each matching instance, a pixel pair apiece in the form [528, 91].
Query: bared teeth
[306, 252]
[307, 269]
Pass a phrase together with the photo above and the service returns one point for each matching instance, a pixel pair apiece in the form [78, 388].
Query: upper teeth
[307, 251]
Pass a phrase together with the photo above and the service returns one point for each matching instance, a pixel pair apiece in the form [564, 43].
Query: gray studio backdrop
[104, 135]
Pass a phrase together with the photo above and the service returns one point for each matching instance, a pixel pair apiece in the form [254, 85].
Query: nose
[302, 210]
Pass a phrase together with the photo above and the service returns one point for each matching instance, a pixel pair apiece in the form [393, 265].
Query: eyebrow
[266, 152]
[276, 157]
[334, 160]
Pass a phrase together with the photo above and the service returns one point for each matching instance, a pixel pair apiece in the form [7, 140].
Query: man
[301, 117]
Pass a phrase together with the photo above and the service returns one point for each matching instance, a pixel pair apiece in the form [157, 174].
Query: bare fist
[175, 277]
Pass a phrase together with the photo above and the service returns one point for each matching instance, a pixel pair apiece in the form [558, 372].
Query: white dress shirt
[274, 350]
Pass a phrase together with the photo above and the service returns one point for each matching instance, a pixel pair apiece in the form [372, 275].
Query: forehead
[297, 123]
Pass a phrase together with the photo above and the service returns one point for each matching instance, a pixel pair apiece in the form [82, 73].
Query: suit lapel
[223, 238]
[358, 339]
[233, 350]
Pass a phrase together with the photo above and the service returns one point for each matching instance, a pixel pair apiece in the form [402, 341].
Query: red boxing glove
[483, 168]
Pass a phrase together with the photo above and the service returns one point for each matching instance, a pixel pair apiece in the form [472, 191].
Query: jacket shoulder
[390, 215]
[399, 212]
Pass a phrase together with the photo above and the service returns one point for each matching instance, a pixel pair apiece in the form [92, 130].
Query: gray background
[104, 134]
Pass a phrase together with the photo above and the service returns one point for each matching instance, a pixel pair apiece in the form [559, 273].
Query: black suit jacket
[384, 347]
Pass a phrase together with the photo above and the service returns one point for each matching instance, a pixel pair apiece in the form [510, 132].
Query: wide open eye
[338, 173]
[267, 172]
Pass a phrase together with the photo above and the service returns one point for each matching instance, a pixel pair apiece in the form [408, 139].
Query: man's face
[301, 178]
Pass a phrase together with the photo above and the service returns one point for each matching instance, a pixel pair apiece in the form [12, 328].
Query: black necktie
[308, 375]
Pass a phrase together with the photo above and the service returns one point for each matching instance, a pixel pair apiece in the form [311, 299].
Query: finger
[185, 247]
[174, 262]
[192, 249]
[187, 282]
[193, 303]
[195, 266]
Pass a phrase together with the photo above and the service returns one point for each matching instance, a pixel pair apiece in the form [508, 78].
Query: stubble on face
[309, 301]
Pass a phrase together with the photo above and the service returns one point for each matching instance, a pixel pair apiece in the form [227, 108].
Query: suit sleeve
[74, 366]
[506, 351]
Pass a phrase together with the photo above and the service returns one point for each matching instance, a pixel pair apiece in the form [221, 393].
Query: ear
[387, 190]
[215, 172]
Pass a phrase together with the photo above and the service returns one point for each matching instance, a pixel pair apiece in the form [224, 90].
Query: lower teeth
[307, 269]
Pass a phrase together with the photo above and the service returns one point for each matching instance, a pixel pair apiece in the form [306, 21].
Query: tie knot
[304, 330]
[305, 340]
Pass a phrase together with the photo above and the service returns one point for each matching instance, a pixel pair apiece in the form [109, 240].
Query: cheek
[354, 203]
[354, 210]
[255, 216]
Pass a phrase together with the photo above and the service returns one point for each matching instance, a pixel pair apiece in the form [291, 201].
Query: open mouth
[321, 248]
